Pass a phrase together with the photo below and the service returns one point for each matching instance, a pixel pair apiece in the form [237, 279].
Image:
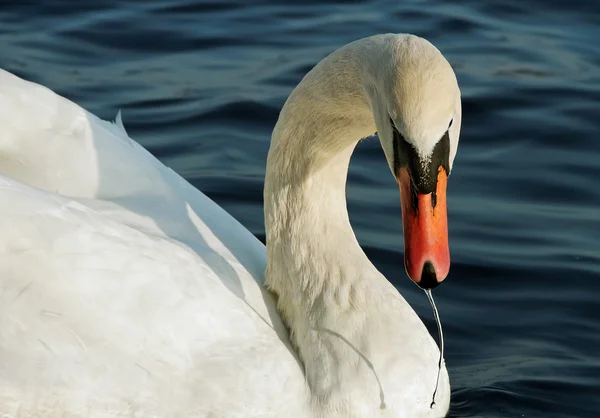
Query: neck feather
[326, 286]
[310, 244]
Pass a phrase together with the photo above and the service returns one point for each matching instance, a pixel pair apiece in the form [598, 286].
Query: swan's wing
[122, 288]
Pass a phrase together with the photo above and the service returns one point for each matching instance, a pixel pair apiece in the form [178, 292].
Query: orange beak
[425, 224]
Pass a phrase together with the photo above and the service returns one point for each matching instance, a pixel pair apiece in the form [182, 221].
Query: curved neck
[325, 284]
[307, 226]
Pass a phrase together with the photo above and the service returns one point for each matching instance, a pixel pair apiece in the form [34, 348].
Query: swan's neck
[329, 294]
[310, 242]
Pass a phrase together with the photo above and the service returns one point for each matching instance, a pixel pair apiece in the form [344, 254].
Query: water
[201, 83]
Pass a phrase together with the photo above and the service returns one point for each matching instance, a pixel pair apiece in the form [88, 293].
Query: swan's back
[123, 290]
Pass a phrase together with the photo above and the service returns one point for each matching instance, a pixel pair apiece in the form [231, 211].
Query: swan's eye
[450, 124]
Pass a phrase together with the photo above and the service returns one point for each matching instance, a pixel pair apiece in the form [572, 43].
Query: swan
[126, 292]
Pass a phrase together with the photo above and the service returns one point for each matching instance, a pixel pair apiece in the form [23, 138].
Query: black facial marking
[423, 174]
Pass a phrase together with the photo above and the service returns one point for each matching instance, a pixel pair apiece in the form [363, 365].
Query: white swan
[125, 292]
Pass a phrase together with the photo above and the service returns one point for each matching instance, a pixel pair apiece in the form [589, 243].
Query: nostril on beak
[428, 277]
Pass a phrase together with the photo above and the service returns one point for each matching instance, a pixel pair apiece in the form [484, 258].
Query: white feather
[124, 291]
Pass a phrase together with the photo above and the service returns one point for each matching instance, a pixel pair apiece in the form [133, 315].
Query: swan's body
[124, 291]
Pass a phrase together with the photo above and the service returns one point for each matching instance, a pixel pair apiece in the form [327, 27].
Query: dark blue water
[200, 84]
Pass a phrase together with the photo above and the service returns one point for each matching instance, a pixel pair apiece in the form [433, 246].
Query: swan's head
[417, 110]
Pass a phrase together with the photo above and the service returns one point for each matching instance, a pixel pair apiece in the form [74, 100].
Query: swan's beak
[425, 224]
